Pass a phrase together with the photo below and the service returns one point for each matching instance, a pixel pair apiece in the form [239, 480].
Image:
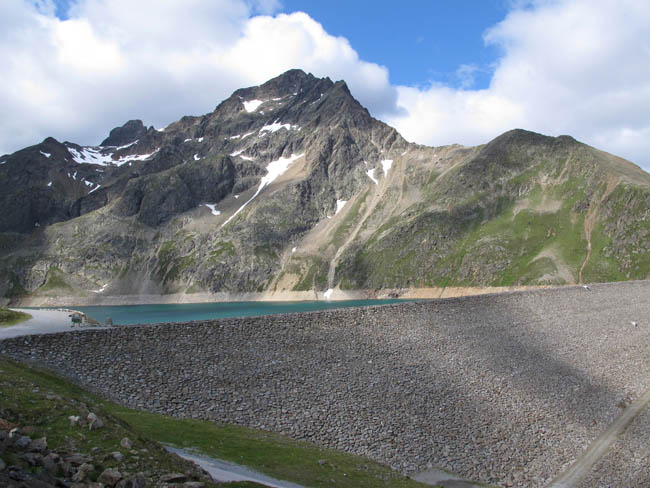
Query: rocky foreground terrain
[293, 186]
[506, 389]
[37, 466]
[52, 436]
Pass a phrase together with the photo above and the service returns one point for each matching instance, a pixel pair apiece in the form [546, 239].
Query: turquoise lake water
[151, 314]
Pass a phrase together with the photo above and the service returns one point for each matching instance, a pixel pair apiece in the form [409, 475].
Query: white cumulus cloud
[111, 61]
[578, 67]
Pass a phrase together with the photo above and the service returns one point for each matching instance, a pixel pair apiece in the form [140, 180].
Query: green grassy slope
[526, 210]
[11, 317]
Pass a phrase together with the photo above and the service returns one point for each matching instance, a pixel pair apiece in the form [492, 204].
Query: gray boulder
[94, 422]
[110, 477]
[132, 482]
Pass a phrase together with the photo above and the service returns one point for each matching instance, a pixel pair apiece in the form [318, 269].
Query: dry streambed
[503, 389]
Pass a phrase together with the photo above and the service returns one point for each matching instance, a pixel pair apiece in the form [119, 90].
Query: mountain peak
[129, 132]
[50, 140]
[294, 74]
[291, 82]
[294, 78]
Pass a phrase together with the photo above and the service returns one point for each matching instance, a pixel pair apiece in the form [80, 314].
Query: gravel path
[507, 389]
[600, 446]
[627, 463]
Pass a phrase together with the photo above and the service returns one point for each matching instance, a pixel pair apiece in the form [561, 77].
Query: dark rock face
[155, 198]
[306, 114]
[39, 185]
[128, 133]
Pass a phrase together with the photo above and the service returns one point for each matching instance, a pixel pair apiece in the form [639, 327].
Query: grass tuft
[12, 317]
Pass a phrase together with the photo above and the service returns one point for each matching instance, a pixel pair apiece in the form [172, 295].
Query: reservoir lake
[185, 312]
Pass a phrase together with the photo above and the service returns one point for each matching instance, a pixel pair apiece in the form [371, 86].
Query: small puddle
[439, 477]
[223, 471]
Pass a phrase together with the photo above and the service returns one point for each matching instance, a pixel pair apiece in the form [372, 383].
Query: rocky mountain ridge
[292, 185]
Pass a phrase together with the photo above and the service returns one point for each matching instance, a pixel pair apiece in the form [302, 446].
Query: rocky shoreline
[506, 389]
[268, 296]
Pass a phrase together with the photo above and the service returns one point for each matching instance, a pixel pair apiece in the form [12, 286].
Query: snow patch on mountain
[239, 153]
[100, 289]
[276, 126]
[339, 205]
[127, 145]
[386, 165]
[252, 105]
[94, 155]
[47, 155]
[371, 175]
[317, 100]
[213, 208]
[273, 171]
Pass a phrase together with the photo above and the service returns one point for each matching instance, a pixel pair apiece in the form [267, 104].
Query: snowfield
[94, 155]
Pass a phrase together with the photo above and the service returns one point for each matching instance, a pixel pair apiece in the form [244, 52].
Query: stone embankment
[506, 389]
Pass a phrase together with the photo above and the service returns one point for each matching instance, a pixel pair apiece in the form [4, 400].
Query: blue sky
[420, 41]
[62, 8]
[439, 71]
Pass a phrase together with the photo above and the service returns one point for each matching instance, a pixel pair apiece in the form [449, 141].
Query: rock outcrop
[127, 134]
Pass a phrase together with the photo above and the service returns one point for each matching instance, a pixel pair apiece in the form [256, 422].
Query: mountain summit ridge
[293, 185]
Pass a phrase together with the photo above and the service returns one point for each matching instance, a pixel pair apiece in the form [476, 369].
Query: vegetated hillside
[523, 209]
[292, 185]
